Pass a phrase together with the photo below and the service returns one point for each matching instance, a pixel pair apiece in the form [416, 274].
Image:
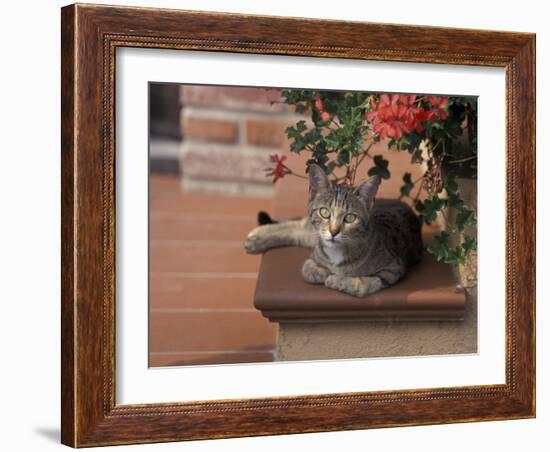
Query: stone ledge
[428, 292]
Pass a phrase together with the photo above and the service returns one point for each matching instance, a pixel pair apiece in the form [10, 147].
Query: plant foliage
[439, 133]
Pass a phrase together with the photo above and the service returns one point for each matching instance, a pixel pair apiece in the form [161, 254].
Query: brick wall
[229, 133]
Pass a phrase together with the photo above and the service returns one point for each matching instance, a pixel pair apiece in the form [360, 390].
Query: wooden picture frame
[90, 36]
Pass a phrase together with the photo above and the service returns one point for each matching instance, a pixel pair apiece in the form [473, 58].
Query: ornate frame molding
[90, 37]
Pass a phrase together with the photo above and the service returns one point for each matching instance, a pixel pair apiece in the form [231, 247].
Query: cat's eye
[324, 212]
[350, 218]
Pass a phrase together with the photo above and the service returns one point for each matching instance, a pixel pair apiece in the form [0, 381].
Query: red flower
[325, 115]
[437, 104]
[407, 100]
[420, 116]
[319, 104]
[392, 115]
[397, 114]
[280, 169]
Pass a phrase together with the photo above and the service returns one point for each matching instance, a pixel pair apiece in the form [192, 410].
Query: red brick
[210, 129]
[266, 132]
[233, 98]
[222, 165]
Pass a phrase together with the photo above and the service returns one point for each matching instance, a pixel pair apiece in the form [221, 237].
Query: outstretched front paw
[254, 243]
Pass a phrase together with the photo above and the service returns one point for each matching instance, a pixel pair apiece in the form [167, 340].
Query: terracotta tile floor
[201, 281]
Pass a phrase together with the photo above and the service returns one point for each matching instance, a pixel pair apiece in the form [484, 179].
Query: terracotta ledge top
[428, 292]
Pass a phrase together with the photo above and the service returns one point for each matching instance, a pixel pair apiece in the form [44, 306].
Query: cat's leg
[286, 233]
[361, 286]
[358, 286]
[314, 273]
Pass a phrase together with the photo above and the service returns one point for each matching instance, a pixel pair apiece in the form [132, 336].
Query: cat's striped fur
[359, 245]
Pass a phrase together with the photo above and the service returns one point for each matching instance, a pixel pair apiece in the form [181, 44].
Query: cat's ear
[367, 190]
[318, 180]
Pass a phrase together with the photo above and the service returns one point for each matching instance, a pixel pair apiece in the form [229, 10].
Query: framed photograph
[266, 231]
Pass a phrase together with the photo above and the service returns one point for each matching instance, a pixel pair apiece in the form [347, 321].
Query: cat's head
[339, 213]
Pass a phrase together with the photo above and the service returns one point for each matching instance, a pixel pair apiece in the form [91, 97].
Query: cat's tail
[265, 218]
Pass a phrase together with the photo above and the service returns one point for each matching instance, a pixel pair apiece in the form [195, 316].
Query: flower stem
[292, 173]
[419, 189]
[463, 160]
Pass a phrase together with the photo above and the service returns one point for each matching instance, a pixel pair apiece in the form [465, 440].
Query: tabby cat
[360, 245]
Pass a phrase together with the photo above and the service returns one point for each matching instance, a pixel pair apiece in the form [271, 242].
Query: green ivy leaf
[456, 256]
[469, 244]
[295, 133]
[465, 218]
[407, 185]
[332, 140]
[343, 157]
[312, 135]
[380, 168]
[297, 129]
[439, 248]
[430, 208]
[455, 200]
[450, 185]
[297, 145]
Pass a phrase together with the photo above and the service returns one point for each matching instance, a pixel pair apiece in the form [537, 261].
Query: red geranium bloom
[319, 104]
[421, 115]
[437, 104]
[392, 115]
[280, 169]
[407, 100]
[397, 114]
[325, 115]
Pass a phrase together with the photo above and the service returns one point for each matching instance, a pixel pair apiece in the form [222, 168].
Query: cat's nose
[334, 230]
